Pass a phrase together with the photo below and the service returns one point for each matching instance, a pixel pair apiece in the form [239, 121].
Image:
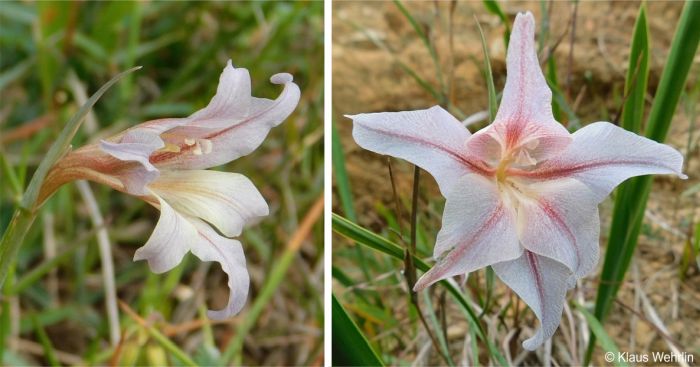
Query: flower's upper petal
[224, 131]
[226, 200]
[542, 283]
[603, 155]
[231, 101]
[134, 146]
[524, 117]
[432, 139]
[170, 241]
[478, 229]
[559, 220]
[229, 253]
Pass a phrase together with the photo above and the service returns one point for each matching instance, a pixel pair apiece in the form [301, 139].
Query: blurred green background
[52, 55]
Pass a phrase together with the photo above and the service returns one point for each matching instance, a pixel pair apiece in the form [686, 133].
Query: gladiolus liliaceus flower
[164, 163]
[523, 193]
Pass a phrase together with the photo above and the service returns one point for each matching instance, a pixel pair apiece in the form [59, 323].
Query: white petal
[478, 229]
[170, 241]
[134, 146]
[231, 101]
[542, 283]
[432, 139]
[226, 200]
[525, 113]
[603, 155]
[560, 221]
[229, 253]
[230, 135]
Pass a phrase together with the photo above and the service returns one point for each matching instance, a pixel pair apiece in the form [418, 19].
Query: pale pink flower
[522, 194]
[164, 163]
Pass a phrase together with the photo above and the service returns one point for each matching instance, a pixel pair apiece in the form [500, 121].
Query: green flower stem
[21, 221]
[29, 206]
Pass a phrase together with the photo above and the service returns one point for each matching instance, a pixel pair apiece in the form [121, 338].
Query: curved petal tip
[281, 78]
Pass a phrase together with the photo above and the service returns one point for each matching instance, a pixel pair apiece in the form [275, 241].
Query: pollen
[201, 146]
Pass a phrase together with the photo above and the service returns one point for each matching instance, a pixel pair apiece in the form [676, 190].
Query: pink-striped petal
[478, 229]
[542, 283]
[228, 253]
[559, 220]
[524, 122]
[134, 146]
[224, 131]
[603, 155]
[431, 139]
[226, 200]
[170, 240]
[231, 101]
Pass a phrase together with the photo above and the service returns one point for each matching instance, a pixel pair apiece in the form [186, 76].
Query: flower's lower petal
[134, 146]
[560, 220]
[220, 136]
[229, 253]
[432, 139]
[169, 242]
[542, 283]
[603, 155]
[478, 229]
[226, 200]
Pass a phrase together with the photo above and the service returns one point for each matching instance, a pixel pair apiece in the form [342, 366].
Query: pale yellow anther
[189, 141]
[197, 148]
[170, 147]
[206, 145]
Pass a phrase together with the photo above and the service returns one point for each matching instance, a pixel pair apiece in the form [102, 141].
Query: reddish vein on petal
[457, 252]
[559, 171]
[537, 277]
[165, 155]
[472, 166]
[553, 214]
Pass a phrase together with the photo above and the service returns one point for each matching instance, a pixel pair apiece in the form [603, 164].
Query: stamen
[197, 148]
[206, 145]
[170, 147]
[502, 168]
[189, 141]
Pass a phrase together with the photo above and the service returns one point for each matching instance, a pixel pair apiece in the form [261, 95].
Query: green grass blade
[493, 106]
[604, 340]
[439, 332]
[428, 45]
[637, 74]
[363, 236]
[632, 195]
[412, 73]
[341, 175]
[46, 345]
[553, 81]
[344, 192]
[672, 82]
[64, 140]
[493, 7]
[350, 347]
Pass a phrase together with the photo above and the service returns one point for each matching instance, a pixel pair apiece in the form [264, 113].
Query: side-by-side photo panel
[162, 183]
[514, 183]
